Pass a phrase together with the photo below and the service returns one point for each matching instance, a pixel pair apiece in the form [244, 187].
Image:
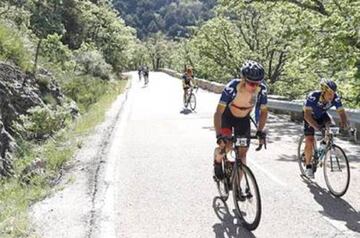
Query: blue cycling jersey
[313, 102]
[229, 93]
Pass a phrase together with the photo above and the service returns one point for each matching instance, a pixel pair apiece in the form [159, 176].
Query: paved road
[159, 175]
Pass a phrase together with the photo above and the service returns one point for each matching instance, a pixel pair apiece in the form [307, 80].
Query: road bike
[190, 98]
[239, 178]
[331, 157]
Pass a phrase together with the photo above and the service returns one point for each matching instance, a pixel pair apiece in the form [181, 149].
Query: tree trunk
[37, 56]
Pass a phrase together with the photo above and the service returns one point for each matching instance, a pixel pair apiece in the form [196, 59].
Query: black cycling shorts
[309, 130]
[240, 125]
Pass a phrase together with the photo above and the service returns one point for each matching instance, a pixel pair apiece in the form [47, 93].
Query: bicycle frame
[238, 163]
[329, 141]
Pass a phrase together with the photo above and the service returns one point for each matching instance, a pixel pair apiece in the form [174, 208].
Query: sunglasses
[251, 84]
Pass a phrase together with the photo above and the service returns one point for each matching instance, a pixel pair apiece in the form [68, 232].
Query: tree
[45, 20]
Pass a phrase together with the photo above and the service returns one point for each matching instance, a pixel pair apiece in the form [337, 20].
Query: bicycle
[331, 157]
[146, 78]
[233, 170]
[189, 98]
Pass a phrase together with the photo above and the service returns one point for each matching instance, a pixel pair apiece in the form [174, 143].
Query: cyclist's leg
[242, 128]
[185, 92]
[226, 130]
[309, 143]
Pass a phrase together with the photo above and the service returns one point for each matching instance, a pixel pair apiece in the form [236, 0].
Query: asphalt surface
[155, 179]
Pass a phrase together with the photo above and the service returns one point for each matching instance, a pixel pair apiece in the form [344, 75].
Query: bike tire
[328, 161]
[186, 101]
[250, 224]
[192, 102]
[301, 155]
[223, 188]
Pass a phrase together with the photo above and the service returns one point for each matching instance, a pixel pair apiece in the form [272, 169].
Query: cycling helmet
[327, 84]
[252, 71]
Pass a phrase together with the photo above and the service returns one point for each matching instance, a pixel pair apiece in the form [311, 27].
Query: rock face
[18, 93]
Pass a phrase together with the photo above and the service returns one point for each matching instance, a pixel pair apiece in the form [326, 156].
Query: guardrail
[276, 103]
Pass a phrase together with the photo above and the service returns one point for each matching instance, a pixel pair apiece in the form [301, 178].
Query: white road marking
[269, 174]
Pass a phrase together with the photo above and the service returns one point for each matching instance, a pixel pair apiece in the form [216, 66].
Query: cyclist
[146, 73]
[233, 111]
[140, 69]
[316, 117]
[187, 80]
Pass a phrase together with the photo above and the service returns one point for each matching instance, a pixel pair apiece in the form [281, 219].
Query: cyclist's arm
[263, 117]
[193, 82]
[217, 117]
[309, 119]
[343, 118]
[341, 111]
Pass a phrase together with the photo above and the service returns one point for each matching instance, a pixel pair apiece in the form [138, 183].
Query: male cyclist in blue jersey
[233, 111]
[316, 117]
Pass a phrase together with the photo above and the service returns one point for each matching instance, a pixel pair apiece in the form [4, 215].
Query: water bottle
[321, 148]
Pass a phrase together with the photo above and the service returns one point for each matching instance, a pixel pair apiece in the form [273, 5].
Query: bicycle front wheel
[246, 197]
[192, 101]
[336, 171]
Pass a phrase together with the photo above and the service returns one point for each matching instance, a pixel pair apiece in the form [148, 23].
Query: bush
[57, 52]
[12, 48]
[42, 122]
[84, 90]
[90, 61]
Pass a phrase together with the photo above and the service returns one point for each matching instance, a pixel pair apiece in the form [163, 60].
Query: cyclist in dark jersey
[187, 80]
[316, 117]
[233, 111]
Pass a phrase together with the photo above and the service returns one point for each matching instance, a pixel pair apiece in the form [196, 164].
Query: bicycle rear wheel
[247, 202]
[186, 101]
[223, 188]
[336, 171]
[192, 101]
[301, 154]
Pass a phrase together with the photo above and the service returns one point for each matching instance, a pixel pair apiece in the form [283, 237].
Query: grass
[17, 196]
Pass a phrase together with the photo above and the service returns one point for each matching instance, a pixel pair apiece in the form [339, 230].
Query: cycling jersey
[229, 93]
[186, 78]
[313, 102]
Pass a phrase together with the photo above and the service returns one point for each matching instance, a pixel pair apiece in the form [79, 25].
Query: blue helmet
[327, 84]
[252, 71]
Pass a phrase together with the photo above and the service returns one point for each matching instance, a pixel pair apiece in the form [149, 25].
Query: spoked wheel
[336, 171]
[223, 188]
[223, 185]
[247, 197]
[192, 101]
[186, 101]
[301, 155]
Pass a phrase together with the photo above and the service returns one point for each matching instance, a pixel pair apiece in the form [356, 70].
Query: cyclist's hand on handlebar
[262, 140]
[260, 135]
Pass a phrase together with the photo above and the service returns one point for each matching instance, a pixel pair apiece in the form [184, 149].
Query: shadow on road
[185, 111]
[335, 208]
[228, 226]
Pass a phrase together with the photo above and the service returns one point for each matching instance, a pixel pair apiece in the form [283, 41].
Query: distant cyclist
[316, 117]
[187, 80]
[140, 69]
[146, 74]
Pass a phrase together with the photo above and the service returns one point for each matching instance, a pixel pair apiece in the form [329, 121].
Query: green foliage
[57, 52]
[46, 17]
[85, 90]
[90, 61]
[171, 17]
[12, 48]
[42, 122]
